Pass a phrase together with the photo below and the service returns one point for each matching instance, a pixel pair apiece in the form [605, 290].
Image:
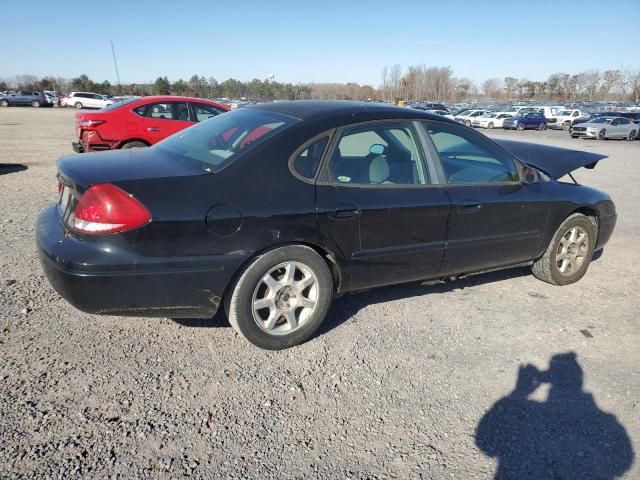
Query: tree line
[414, 83]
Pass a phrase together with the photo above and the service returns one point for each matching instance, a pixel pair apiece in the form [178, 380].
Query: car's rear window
[217, 142]
[119, 103]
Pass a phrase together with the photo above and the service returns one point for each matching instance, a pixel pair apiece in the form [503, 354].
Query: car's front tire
[568, 255]
[566, 126]
[281, 298]
[602, 134]
[632, 135]
[490, 125]
[4, 103]
[520, 126]
[35, 104]
[78, 105]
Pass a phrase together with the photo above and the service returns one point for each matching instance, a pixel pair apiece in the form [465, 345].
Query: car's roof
[327, 109]
[175, 98]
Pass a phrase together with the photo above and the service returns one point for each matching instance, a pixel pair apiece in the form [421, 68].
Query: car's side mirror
[530, 175]
[377, 149]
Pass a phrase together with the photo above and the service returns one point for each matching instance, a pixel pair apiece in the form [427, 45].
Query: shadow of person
[565, 437]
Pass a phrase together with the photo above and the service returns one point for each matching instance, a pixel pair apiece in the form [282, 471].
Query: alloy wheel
[572, 250]
[285, 298]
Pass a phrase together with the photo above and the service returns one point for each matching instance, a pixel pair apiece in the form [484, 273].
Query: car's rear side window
[306, 163]
[378, 154]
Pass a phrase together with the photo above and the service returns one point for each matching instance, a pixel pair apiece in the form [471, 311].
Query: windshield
[218, 141]
[601, 120]
[119, 103]
[564, 113]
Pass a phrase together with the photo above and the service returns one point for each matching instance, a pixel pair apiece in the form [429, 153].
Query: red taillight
[104, 208]
[90, 123]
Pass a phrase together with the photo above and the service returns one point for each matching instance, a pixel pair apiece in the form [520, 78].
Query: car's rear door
[376, 201]
[496, 220]
[163, 119]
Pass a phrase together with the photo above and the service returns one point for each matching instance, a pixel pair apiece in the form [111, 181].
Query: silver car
[606, 127]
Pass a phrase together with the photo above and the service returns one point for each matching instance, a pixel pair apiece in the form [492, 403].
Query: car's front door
[163, 119]
[24, 97]
[496, 220]
[376, 202]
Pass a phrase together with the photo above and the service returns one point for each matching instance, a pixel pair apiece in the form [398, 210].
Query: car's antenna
[116, 65]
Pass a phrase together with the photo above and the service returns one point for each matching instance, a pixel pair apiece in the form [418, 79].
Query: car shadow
[565, 436]
[6, 168]
[346, 307]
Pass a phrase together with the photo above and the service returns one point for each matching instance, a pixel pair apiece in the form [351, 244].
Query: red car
[140, 122]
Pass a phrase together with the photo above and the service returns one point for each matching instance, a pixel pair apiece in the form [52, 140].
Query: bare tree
[492, 88]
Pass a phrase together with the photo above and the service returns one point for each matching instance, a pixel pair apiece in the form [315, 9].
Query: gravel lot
[395, 386]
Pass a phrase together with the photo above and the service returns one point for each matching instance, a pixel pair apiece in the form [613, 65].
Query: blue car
[523, 121]
[25, 97]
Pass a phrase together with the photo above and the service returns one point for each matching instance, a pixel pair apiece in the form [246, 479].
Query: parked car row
[601, 125]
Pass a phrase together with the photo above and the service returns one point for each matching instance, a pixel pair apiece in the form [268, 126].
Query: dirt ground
[411, 381]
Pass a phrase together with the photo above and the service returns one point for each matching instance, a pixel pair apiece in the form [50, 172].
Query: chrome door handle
[153, 129]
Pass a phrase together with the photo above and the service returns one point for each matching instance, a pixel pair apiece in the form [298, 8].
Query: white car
[85, 100]
[490, 120]
[564, 119]
[606, 127]
[468, 116]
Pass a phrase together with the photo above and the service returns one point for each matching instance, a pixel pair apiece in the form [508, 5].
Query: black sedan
[272, 210]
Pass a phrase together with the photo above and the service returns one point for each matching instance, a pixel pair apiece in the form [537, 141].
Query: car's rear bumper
[91, 141]
[99, 279]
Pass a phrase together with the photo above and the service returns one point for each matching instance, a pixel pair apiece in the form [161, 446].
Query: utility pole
[113, 51]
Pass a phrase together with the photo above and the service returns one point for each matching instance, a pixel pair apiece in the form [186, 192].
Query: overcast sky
[305, 41]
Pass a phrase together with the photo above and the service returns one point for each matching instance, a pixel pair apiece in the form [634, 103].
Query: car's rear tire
[569, 253]
[77, 105]
[281, 298]
[490, 125]
[602, 134]
[4, 103]
[520, 126]
[542, 126]
[35, 104]
[134, 144]
[632, 135]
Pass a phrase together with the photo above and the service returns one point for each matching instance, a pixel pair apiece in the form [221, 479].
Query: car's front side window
[378, 154]
[205, 112]
[467, 157]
